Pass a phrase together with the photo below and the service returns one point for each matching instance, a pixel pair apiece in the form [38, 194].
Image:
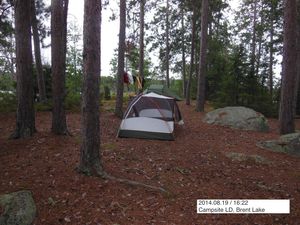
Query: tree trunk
[183, 52]
[37, 53]
[121, 58]
[167, 46]
[142, 25]
[58, 58]
[90, 162]
[271, 51]
[260, 42]
[25, 122]
[203, 55]
[289, 68]
[11, 56]
[298, 60]
[188, 88]
[253, 44]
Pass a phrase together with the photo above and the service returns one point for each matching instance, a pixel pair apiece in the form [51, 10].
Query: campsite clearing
[194, 166]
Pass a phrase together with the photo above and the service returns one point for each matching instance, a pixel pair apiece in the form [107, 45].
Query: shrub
[8, 101]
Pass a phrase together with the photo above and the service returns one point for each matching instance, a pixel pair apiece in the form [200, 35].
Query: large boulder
[19, 208]
[239, 118]
[289, 144]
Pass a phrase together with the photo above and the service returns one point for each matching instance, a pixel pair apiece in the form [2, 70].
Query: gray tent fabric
[150, 116]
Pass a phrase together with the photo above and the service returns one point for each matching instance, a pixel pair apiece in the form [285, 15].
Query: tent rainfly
[150, 116]
[162, 90]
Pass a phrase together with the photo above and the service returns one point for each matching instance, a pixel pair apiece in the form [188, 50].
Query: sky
[109, 35]
[110, 30]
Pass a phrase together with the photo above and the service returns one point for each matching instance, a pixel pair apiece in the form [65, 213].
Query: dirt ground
[194, 166]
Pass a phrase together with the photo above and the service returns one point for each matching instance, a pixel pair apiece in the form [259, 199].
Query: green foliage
[8, 101]
[42, 15]
[74, 73]
[7, 83]
[73, 101]
[43, 106]
[132, 62]
[109, 82]
[6, 28]
[107, 93]
[239, 88]
[218, 63]
[176, 87]
[74, 86]
[48, 81]
[257, 39]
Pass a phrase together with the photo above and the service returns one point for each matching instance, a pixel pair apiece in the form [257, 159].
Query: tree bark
[167, 46]
[37, 54]
[188, 88]
[203, 55]
[90, 162]
[298, 60]
[260, 42]
[59, 9]
[121, 58]
[25, 122]
[142, 25]
[183, 52]
[271, 50]
[289, 68]
[253, 44]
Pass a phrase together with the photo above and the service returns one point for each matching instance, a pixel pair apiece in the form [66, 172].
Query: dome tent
[150, 116]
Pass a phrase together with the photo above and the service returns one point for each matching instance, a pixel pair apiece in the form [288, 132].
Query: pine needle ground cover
[204, 162]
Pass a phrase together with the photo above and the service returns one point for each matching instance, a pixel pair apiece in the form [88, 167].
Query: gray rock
[239, 118]
[240, 157]
[289, 144]
[19, 208]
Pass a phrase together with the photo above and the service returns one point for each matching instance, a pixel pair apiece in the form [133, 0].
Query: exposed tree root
[99, 172]
[136, 183]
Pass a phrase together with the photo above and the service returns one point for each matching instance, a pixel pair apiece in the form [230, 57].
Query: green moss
[109, 146]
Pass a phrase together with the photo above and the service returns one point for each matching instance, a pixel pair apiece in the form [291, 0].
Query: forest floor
[194, 166]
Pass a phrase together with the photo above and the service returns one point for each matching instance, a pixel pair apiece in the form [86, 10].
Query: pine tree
[90, 162]
[141, 38]
[191, 72]
[289, 68]
[25, 122]
[58, 58]
[121, 58]
[37, 54]
[203, 56]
